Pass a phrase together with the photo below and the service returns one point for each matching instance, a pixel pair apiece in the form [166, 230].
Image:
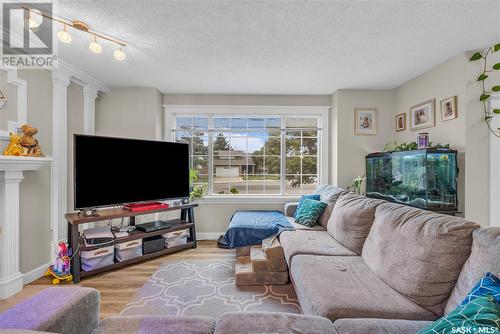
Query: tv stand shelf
[76, 241]
[137, 234]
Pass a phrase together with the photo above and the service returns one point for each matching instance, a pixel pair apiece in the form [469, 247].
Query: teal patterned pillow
[480, 315]
[309, 211]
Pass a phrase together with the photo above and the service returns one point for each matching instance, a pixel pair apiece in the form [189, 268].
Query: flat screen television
[114, 171]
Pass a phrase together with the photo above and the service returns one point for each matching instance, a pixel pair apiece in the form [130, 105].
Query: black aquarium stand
[76, 241]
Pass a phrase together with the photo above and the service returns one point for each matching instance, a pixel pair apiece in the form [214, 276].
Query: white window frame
[322, 112]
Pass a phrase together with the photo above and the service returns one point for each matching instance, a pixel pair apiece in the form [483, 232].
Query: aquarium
[424, 178]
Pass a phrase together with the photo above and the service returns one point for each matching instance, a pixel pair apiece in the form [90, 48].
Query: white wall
[477, 177]
[443, 81]
[349, 150]
[9, 110]
[242, 100]
[130, 112]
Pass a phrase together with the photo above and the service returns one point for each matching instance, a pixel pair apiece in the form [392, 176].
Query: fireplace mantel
[11, 175]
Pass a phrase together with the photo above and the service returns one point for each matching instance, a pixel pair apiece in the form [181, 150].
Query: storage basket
[176, 238]
[128, 250]
[97, 258]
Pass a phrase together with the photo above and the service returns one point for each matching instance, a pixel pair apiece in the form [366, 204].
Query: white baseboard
[208, 235]
[35, 274]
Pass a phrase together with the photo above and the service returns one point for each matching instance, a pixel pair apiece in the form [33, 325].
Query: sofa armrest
[65, 310]
[290, 208]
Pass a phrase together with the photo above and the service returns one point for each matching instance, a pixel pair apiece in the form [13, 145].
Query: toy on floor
[60, 269]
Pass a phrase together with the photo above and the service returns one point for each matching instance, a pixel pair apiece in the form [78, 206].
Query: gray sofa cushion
[329, 194]
[418, 253]
[338, 287]
[484, 257]
[379, 326]
[351, 220]
[311, 243]
[56, 309]
[270, 322]
[156, 325]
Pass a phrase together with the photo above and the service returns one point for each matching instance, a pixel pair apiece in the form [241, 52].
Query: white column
[11, 174]
[89, 96]
[11, 279]
[60, 83]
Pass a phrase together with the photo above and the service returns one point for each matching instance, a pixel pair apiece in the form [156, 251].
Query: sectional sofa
[372, 266]
[369, 267]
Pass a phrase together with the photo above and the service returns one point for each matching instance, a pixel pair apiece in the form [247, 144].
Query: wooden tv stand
[77, 243]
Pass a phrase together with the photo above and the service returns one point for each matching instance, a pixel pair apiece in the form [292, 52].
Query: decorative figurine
[30, 144]
[14, 147]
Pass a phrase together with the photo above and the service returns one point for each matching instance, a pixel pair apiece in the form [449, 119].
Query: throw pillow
[481, 315]
[309, 212]
[315, 197]
[489, 284]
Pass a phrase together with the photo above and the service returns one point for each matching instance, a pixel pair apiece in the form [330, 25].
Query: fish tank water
[425, 178]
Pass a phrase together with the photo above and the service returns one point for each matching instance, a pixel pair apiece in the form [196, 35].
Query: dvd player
[154, 226]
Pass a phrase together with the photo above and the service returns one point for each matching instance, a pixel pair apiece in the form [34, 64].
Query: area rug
[206, 288]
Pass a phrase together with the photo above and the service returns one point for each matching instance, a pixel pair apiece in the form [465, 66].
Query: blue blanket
[251, 227]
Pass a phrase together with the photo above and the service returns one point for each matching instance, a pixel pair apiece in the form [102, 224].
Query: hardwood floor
[118, 287]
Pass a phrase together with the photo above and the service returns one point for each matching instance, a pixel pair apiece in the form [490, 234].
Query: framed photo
[401, 122]
[449, 108]
[423, 115]
[365, 121]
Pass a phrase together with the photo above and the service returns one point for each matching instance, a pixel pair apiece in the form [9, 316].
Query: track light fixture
[35, 18]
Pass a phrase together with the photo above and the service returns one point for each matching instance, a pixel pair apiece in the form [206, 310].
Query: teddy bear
[14, 147]
[30, 145]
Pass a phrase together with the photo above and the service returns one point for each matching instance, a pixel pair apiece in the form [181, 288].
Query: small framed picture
[449, 108]
[401, 122]
[423, 115]
[365, 121]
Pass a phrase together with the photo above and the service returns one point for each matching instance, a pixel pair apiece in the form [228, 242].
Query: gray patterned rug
[206, 288]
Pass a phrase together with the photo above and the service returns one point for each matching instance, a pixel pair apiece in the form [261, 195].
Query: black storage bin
[153, 244]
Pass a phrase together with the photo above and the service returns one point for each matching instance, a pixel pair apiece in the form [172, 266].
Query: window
[252, 155]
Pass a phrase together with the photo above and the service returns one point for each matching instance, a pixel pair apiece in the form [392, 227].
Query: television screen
[113, 171]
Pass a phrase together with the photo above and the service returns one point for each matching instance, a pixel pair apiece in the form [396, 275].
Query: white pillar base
[11, 285]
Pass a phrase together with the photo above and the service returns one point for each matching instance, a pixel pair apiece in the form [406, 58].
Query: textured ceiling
[276, 47]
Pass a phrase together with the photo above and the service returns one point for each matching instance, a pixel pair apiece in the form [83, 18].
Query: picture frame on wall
[423, 115]
[365, 121]
[449, 108]
[401, 122]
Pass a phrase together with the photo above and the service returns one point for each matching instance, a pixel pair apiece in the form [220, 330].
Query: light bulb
[64, 36]
[119, 54]
[95, 47]
[34, 18]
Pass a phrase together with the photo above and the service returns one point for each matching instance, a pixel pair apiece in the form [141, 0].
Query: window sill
[246, 199]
